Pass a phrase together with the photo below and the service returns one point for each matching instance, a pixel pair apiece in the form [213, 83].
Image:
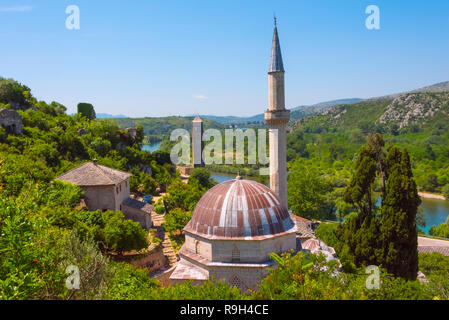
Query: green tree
[182, 195]
[14, 94]
[309, 194]
[398, 231]
[359, 233]
[202, 175]
[176, 220]
[86, 110]
[446, 191]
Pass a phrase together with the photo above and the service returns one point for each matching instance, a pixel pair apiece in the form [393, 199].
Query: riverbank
[431, 196]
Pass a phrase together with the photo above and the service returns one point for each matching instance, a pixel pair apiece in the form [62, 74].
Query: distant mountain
[438, 87]
[109, 116]
[304, 111]
[330, 103]
[297, 113]
[228, 120]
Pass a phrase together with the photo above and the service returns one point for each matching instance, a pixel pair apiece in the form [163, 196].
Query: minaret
[197, 142]
[277, 117]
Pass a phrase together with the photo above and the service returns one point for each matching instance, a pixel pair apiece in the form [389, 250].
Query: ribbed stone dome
[240, 209]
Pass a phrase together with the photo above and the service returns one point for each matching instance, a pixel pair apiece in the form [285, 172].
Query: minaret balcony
[277, 117]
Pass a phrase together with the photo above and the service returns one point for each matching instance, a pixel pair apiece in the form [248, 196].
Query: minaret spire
[276, 63]
[277, 117]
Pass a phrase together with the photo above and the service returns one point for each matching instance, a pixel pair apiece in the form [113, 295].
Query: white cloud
[16, 9]
[200, 96]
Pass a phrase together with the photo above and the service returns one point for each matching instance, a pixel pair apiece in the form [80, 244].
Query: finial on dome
[239, 177]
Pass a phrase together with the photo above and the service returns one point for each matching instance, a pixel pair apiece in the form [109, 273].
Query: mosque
[237, 224]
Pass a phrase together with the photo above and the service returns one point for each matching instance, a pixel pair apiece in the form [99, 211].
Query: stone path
[169, 252]
[428, 245]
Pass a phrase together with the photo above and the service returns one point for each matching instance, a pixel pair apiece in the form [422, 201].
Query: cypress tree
[400, 203]
[360, 234]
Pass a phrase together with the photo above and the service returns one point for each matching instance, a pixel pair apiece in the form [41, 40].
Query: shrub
[122, 235]
[86, 110]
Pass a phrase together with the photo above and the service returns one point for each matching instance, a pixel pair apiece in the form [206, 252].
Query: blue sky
[166, 57]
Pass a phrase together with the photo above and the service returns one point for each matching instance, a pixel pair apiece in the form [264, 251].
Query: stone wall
[152, 260]
[11, 121]
[164, 277]
[122, 193]
[100, 197]
[252, 251]
[138, 216]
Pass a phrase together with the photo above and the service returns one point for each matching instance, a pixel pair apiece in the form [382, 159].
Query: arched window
[235, 254]
[197, 247]
[235, 281]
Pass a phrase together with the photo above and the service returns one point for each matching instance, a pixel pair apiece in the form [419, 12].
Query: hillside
[416, 121]
[408, 112]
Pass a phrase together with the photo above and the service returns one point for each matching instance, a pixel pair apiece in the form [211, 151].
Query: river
[435, 210]
[152, 147]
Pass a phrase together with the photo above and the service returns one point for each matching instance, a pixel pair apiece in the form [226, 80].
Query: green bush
[176, 220]
[86, 110]
[123, 235]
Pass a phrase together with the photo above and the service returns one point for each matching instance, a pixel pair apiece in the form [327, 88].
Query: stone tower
[197, 142]
[277, 117]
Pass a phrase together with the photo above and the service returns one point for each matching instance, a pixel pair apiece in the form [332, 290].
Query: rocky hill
[415, 109]
[407, 112]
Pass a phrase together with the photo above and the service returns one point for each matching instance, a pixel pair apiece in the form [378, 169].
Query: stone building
[108, 189]
[11, 121]
[235, 226]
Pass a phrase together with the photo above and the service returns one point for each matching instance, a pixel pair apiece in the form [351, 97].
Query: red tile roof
[240, 209]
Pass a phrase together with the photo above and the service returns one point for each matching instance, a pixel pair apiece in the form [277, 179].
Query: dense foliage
[440, 231]
[387, 236]
[46, 230]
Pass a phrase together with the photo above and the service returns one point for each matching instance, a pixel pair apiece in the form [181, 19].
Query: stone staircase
[167, 249]
[158, 219]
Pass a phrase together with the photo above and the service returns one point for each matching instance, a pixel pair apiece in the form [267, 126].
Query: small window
[236, 282]
[235, 254]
